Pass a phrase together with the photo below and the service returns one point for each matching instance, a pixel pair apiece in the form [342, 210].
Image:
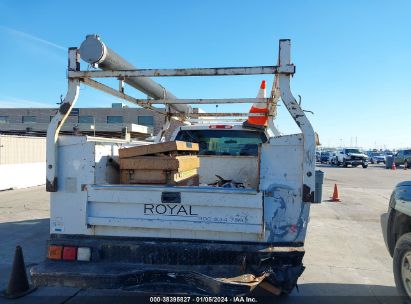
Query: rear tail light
[83, 254]
[55, 252]
[69, 253]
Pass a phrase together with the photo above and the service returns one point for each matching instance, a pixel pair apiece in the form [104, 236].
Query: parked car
[403, 157]
[333, 158]
[396, 229]
[376, 157]
[317, 156]
[325, 157]
[351, 156]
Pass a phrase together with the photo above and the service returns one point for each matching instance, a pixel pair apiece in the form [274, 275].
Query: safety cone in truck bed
[258, 107]
[335, 197]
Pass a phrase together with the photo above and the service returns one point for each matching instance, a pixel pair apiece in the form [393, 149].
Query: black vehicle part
[402, 248]
[398, 225]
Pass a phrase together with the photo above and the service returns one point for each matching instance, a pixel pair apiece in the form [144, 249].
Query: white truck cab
[228, 240]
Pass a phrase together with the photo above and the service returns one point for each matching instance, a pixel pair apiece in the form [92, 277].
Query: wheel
[364, 166]
[402, 265]
[345, 165]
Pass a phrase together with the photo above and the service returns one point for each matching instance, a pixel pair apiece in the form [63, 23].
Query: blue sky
[352, 57]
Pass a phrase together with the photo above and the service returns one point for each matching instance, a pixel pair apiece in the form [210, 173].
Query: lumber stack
[171, 163]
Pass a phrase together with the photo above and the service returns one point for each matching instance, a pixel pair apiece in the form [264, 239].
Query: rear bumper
[170, 266]
[355, 161]
[159, 279]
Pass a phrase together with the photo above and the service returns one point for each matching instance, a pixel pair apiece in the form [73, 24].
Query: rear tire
[364, 166]
[402, 265]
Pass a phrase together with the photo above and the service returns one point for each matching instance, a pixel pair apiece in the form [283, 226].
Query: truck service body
[191, 239]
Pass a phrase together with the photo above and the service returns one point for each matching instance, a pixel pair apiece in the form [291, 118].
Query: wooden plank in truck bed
[176, 163]
[186, 178]
[158, 148]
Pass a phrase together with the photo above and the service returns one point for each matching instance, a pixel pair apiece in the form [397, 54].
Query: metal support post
[59, 119]
[303, 123]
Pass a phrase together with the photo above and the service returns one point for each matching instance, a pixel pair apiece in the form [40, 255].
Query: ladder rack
[111, 65]
[96, 53]
[86, 78]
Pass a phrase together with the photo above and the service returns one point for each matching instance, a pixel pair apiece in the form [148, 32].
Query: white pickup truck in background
[244, 235]
[351, 156]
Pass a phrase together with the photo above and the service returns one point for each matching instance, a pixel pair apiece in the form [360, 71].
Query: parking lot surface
[345, 259]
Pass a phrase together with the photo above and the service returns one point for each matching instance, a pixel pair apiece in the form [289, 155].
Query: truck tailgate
[177, 212]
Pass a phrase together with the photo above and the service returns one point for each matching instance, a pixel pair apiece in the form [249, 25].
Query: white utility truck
[203, 240]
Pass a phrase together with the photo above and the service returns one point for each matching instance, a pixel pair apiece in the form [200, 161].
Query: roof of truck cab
[233, 127]
[214, 126]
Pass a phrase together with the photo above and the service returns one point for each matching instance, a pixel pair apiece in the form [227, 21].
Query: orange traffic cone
[335, 197]
[260, 107]
[394, 167]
